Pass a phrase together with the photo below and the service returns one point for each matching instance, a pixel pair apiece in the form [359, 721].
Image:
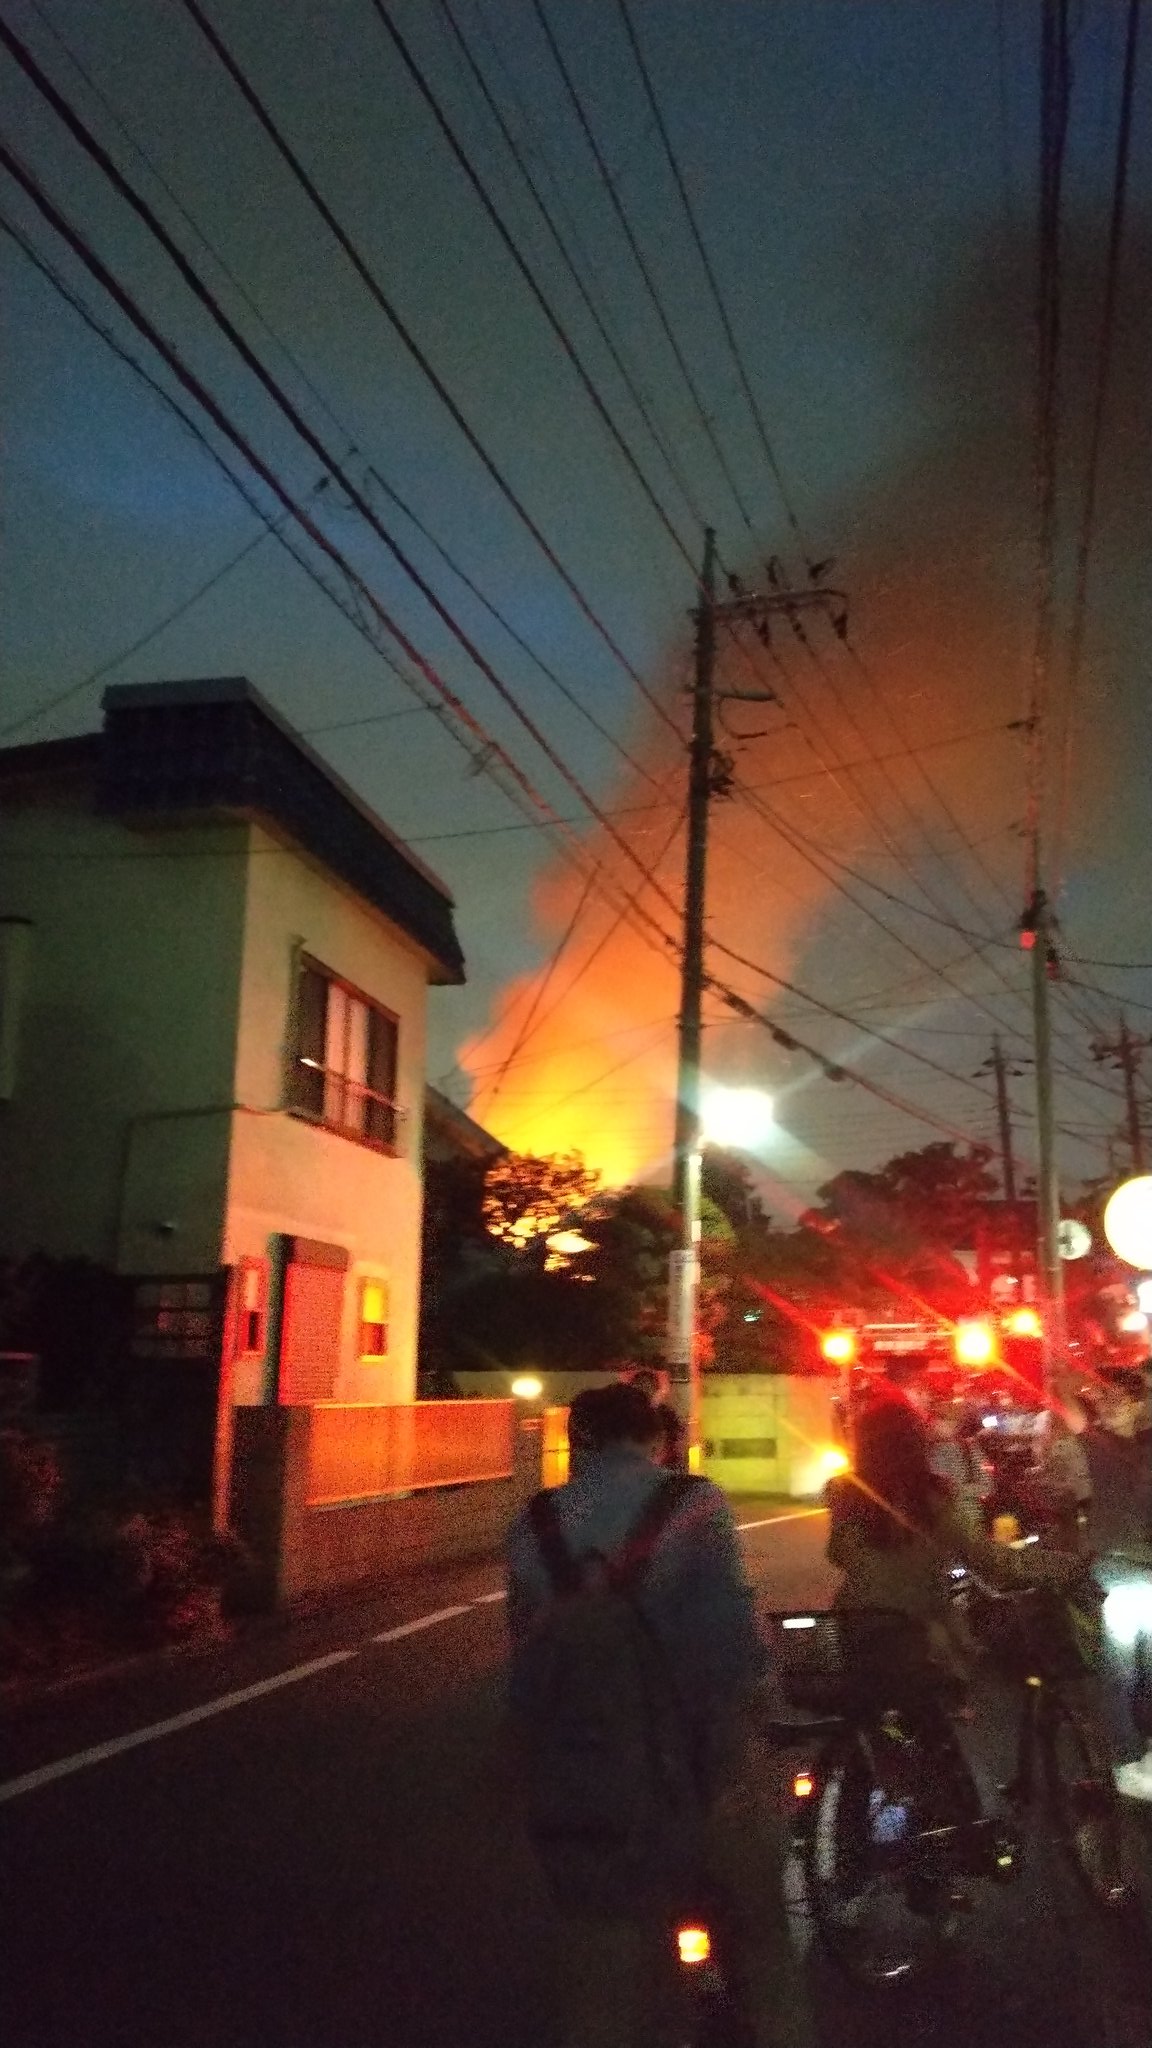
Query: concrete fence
[344, 1494]
[333, 1497]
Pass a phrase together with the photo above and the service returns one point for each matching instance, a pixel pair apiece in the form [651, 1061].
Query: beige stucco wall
[287, 1175]
[114, 1144]
[146, 1128]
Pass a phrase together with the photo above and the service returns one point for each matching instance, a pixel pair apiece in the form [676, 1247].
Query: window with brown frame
[343, 1069]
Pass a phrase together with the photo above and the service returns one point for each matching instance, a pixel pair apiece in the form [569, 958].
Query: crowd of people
[634, 1542]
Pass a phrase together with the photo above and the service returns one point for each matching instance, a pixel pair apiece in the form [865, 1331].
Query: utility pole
[1125, 1055]
[684, 1272]
[1036, 934]
[996, 1065]
[709, 776]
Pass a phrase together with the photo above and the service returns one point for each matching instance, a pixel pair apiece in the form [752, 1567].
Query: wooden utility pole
[684, 1275]
[710, 775]
[1004, 1116]
[1037, 932]
[1124, 1053]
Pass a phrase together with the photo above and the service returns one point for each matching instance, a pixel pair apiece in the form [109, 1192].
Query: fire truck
[994, 1355]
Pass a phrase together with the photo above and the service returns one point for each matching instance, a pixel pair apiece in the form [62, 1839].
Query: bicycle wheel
[880, 1908]
[1085, 1803]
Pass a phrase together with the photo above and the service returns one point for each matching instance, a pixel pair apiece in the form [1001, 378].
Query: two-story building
[214, 964]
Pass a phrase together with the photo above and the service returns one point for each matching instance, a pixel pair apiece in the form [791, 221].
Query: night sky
[864, 175]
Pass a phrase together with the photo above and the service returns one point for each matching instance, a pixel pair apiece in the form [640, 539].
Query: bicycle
[889, 1828]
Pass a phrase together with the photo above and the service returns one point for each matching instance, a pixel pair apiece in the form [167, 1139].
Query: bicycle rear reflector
[694, 1944]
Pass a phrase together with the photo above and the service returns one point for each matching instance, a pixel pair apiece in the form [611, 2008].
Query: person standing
[627, 1598]
[1118, 1449]
[672, 1454]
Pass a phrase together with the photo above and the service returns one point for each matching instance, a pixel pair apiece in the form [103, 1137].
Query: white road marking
[411, 1628]
[770, 1521]
[65, 1766]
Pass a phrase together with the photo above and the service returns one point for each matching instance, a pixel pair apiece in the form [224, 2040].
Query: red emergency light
[1024, 1322]
[974, 1343]
[839, 1346]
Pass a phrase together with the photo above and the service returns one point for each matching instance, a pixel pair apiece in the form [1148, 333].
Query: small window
[344, 1061]
[374, 1319]
[250, 1309]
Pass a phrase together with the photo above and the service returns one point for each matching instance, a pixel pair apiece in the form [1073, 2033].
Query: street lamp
[736, 1118]
[1128, 1221]
[739, 1117]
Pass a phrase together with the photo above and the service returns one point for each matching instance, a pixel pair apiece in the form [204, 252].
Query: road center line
[411, 1628]
[98, 1754]
[771, 1521]
[66, 1766]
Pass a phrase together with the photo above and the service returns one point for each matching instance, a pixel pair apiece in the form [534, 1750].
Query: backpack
[613, 1797]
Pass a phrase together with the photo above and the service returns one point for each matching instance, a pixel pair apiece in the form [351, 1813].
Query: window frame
[338, 1083]
[375, 1356]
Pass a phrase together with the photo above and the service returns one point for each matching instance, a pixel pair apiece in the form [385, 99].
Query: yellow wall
[738, 1413]
[741, 1414]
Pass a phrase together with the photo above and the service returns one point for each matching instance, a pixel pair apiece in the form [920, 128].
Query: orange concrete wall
[306, 1551]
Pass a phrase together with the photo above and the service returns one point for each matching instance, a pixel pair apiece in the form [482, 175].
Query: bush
[173, 1578]
[80, 1588]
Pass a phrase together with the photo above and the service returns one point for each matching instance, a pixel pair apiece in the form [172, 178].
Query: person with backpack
[672, 1451]
[635, 1655]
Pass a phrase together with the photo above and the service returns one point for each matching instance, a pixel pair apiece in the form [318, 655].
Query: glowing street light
[1128, 1221]
[741, 1118]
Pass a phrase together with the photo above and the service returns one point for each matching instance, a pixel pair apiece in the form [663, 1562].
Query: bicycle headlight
[1128, 1612]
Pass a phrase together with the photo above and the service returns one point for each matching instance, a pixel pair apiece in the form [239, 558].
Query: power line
[1096, 438]
[709, 272]
[372, 471]
[934, 788]
[319, 539]
[541, 989]
[556, 325]
[78, 129]
[1055, 82]
[145, 639]
[598, 319]
[606, 936]
[492, 753]
[639, 259]
[225, 269]
[418, 354]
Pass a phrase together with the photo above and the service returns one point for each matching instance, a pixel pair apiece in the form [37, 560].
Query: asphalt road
[304, 1841]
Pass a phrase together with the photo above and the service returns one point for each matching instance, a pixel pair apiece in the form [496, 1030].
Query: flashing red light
[839, 1346]
[803, 1785]
[974, 1343]
[1024, 1322]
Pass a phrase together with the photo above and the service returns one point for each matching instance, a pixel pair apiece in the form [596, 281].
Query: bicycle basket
[808, 1659]
[828, 1661]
